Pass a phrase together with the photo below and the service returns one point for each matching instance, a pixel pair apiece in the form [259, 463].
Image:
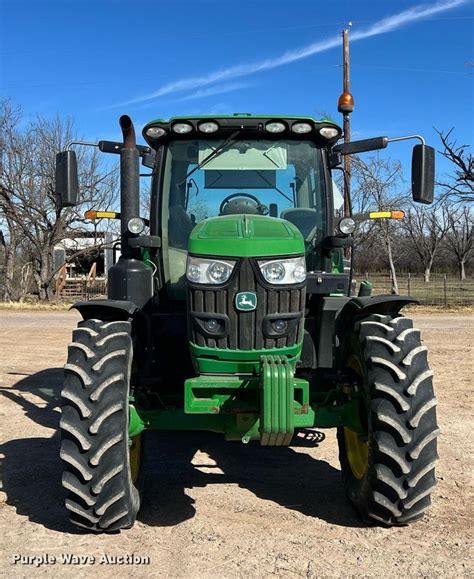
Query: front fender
[358, 307]
[106, 310]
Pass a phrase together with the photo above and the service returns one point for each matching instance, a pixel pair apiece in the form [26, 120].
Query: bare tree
[459, 238]
[378, 185]
[27, 190]
[459, 186]
[427, 227]
[10, 239]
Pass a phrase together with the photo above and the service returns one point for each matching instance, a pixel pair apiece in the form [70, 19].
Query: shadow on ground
[46, 385]
[295, 480]
[292, 479]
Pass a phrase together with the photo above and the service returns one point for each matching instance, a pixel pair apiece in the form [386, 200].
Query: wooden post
[346, 118]
[61, 280]
[345, 106]
[90, 279]
[409, 284]
[445, 290]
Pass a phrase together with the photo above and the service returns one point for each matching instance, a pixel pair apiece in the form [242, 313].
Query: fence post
[409, 284]
[445, 290]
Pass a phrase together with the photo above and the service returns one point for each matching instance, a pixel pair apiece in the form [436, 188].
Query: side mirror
[423, 174]
[67, 181]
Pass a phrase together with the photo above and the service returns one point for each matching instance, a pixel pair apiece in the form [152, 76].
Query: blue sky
[412, 62]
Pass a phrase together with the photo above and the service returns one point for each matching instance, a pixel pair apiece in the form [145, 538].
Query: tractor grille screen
[247, 330]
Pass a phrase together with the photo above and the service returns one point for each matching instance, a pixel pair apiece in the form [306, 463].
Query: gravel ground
[216, 509]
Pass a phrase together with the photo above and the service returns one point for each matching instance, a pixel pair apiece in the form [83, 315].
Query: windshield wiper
[271, 186]
[212, 154]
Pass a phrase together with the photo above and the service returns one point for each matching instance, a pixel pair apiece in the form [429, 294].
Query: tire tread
[403, 456]
[94, 439]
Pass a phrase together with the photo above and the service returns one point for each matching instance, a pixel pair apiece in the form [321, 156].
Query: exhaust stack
[129, 182]
[129, 279]
[128, 132]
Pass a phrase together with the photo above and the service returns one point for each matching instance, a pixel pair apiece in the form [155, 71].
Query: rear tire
[94, 427]
[389, 478]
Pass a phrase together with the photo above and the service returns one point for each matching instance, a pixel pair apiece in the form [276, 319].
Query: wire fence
[441, 290]
[82, 289]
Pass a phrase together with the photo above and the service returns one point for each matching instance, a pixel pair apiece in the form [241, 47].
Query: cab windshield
[207, 178]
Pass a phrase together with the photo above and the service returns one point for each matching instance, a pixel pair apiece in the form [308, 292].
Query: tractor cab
[239, 165]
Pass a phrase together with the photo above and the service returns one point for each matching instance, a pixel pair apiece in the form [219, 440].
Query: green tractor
[232, 309]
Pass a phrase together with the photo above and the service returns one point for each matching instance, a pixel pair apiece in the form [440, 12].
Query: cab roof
[239, 121]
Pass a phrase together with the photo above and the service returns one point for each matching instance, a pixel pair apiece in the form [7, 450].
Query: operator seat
[306, 219]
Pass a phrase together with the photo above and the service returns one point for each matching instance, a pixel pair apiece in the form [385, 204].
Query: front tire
[95, 447]
[389, 474]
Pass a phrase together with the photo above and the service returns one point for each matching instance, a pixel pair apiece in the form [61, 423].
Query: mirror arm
[114, 147]
[85, 143]
[407, 138]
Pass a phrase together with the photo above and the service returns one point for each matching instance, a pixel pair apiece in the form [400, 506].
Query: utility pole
[346, 106]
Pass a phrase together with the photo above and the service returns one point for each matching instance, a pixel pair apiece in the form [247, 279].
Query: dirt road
[216, 509]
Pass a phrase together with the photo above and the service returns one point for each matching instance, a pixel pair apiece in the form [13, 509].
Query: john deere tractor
[232, 309]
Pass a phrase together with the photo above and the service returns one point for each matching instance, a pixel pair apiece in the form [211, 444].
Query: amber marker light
[397, 214]
[345, 103]
[92, 214]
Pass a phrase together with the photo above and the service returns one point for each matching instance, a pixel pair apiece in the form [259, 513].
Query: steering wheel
[236, 203]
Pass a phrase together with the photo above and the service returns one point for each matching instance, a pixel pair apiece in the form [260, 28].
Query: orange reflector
[92, 214]
[399, 214]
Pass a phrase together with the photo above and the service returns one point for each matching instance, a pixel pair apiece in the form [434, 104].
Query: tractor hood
[246, 236]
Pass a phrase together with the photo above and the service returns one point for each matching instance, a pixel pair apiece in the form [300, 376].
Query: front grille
[245, 328]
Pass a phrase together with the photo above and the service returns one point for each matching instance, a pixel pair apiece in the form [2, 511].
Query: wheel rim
[135, 454]
[357, 450]
[357, 453]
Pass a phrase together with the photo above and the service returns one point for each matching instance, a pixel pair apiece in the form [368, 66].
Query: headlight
[182, 128]
[347, 225]
[210, 271]
[284, 271]
[208, 127]
[274, 272]
[301, 128]
[275, 127]
[136, 225]
[155, 132]
[329, 132]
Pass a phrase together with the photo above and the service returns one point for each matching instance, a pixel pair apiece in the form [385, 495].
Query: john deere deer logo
[245, 301]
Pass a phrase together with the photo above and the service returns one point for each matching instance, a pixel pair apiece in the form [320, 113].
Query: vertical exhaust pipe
[129, 279]
[128, 132]
[129, 182]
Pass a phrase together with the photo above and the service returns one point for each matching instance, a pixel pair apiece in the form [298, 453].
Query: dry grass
[420, 309]
[59, 306]
[36, 306]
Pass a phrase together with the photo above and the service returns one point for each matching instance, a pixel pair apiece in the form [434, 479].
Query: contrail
[215, 90]
[388, 24]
